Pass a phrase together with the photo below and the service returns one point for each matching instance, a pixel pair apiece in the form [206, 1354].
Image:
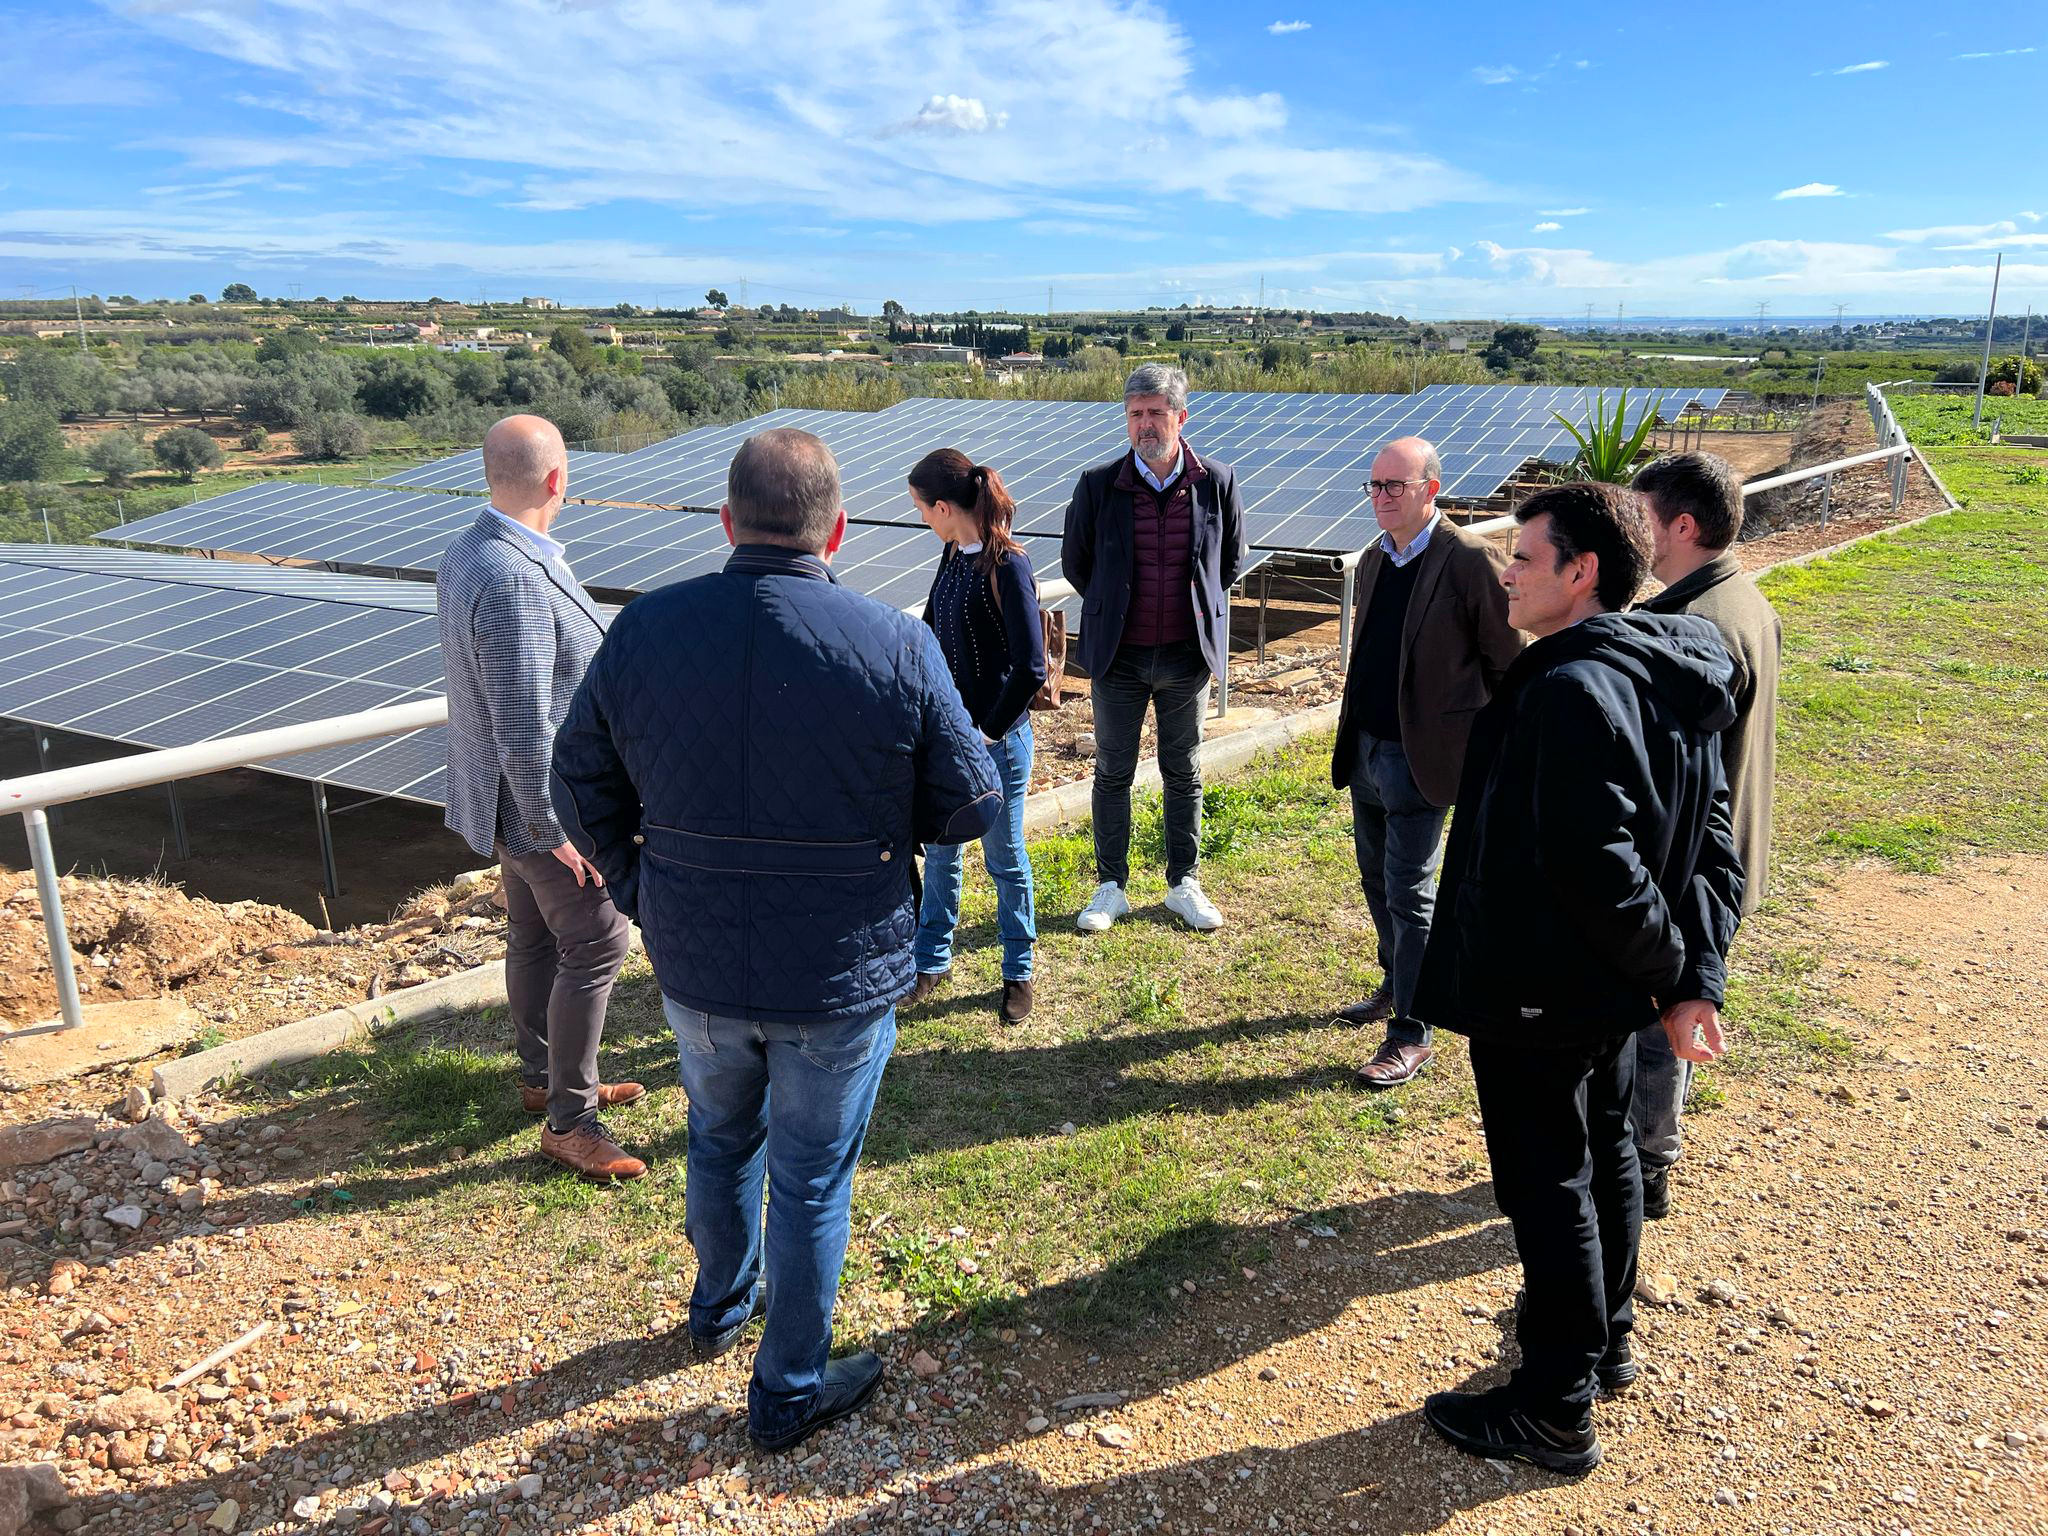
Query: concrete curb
[1862, 538]
[289, 1044]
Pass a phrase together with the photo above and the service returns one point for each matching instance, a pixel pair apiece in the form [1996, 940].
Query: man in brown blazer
[1432, 639]
[1695, 505]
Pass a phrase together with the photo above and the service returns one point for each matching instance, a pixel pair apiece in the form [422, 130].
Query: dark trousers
[1399, 838]
[563, 948]
[1174, 681]
[1564, 1172]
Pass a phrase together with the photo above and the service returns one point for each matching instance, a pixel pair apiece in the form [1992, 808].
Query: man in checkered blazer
[517, 634]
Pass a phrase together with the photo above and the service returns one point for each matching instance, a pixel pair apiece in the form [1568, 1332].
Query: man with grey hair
[753, 762]
[1154, 541]
[517, 632]
[1432, 641]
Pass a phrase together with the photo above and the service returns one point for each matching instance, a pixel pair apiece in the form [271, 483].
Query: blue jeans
[1009, 866]
[1174, 681]
[1663, 1078]
[1399, 839]
[791, 1102]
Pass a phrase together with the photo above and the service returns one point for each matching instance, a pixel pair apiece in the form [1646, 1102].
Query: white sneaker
[1107, 905]
[1186, 902]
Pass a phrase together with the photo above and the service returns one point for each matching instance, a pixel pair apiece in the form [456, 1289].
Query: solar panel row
[133, 647]
[611, 548]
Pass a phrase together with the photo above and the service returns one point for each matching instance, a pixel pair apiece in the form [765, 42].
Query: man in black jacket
[1590, 886]
[1153, 542]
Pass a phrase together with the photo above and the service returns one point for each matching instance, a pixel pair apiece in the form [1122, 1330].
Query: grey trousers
[562, 953]
[1399, 837]
[1663, 1078]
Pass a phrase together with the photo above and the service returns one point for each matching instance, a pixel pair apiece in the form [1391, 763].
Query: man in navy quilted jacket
[752, 762]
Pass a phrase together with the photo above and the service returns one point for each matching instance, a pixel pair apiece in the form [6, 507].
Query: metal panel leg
[327, 875]
[1223, 682]
[1349, 579]
[178, 838]
[1265, 592]
[45, 861]
[43, 766]
[1827, 497]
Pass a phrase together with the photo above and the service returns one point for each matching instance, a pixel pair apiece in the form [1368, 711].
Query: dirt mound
[241, 963]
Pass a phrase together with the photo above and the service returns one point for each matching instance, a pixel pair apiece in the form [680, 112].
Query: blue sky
[1476, 160]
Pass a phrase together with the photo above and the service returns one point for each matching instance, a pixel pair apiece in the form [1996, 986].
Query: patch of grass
[1776, 1003]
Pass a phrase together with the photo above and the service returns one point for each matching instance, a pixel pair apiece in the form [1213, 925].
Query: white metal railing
[32, 795]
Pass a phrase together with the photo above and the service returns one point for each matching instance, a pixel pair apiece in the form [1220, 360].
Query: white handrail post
[37, 821]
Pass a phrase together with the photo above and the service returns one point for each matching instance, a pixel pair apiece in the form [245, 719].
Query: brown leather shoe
[592, 1153]
[1394, 1063]
[927, 983]
[609, 1096]
[1017, 998]
[1376, 1009]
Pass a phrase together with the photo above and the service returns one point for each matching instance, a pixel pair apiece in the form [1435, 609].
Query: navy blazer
[1096, 556]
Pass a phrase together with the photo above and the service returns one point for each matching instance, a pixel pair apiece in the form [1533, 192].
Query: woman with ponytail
[984, 609]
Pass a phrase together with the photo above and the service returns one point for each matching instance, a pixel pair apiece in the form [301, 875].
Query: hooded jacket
[1591, 877]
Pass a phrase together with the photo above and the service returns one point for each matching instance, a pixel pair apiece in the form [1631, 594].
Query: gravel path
[1853, 1335]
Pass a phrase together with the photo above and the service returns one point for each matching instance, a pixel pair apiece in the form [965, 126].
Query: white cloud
[1545, 227]
[1282, 28]
[1857, 69]
[1023, 128]
[1952, 232]
[1996, 53]
[1810, 189]
[1495, 74]
[2032, 217]
[955, 114]
[1562, 213]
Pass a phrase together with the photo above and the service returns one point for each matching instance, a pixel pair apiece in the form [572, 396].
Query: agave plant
[1607, 448]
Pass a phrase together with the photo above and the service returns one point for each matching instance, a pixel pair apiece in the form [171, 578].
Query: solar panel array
[464, 472]
[166, 650]
[1301, 459]
[611, 548]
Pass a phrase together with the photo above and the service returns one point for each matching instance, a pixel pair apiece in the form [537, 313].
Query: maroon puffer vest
[1162, 602]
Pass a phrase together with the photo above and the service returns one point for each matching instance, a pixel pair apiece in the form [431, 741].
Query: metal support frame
[40, 854]
[1347, 579]
[1827, 498]
[1223, 682]
[178, 838]
[327, 874]
[43, 766]
[1265, 593]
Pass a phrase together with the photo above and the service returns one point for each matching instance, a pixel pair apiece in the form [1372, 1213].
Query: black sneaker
[1617, 1369]
[848, 1384]
[1493, 1425]
[1656, 1193]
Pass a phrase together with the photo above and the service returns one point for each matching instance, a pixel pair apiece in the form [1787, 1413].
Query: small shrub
[332, 435]
[256, 439]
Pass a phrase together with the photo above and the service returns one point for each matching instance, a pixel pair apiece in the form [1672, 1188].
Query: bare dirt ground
[243, 966]
[1851, 1333]
[1782, 524]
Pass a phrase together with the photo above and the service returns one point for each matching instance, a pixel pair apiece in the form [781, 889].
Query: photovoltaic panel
[464, 472]
[166, 650]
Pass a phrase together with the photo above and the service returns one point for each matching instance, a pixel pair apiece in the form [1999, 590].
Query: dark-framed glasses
[1392, 487]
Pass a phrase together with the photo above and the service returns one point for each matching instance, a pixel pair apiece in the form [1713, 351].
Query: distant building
[604, 335]
[935, 352]
[538, 304]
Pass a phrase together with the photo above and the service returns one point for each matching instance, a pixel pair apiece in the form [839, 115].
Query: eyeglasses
[1391, 487]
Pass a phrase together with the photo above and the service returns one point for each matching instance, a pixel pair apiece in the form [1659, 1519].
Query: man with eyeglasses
[1431, 642]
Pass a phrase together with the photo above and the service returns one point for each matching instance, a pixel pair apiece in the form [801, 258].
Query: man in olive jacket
[1431, 642]
[1694, 502]
[1590, 888]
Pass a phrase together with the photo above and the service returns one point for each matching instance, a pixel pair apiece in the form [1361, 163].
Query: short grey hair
[1158, 379]
[783, 488]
